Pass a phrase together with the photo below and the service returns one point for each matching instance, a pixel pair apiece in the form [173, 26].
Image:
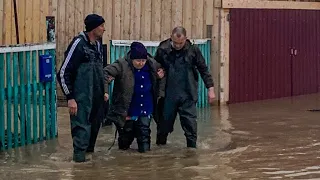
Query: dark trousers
[84, 131]
[159, 116]
[139, 129]
[188, 119]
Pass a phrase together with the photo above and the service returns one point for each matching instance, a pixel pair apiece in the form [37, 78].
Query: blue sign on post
[45, 68]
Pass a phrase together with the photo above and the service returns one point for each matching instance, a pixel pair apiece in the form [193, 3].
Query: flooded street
[274, 139]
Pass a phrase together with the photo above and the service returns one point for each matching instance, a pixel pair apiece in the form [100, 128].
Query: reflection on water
[277, 139]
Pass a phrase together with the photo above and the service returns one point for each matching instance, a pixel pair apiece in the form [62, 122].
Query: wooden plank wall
[125, 19]
[31, 21]
[134, 19]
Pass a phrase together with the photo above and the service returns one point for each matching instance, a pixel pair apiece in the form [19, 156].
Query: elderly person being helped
[134, 98]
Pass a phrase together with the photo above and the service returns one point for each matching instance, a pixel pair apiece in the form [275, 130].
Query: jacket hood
[84, 36]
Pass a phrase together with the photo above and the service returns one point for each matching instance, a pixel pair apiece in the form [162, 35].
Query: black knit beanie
[92, 21]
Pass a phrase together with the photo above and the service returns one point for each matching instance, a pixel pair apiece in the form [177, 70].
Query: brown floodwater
[273, 139]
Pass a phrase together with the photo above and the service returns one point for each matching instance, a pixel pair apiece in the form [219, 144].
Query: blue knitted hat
[138, 51]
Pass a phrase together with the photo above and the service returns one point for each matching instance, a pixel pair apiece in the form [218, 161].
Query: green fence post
[122, 51]
[53, 95]
[117, 55]
[47, 108]
[112, 52]
[112, 59]
[41, 122]
[34, 95]
[9, 99]
[22, 99]
[28, 108]
[2, 101]
[15, 97]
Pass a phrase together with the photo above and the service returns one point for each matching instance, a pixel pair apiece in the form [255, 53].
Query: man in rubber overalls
[181, 60]
[81, 79]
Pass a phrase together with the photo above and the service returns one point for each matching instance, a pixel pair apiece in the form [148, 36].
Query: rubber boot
[161, 140]
[143, 147]
[191, 144]
[79, 157]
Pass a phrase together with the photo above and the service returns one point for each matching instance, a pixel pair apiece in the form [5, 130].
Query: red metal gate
[306, 49]
[273, 53]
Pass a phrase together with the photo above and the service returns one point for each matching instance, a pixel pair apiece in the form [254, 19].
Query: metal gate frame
[22, 121]
[119, 48]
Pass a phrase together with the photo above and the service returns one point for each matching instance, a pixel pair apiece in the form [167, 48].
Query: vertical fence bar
[34, 96]
[15, 97]
[154, 50]
[22, 99]
[53, 95]
[41, 122]
[117, 53]
[122, 51]
[40, 111]
[149, 50]
[112, 59]
[2, 102]
[28, 56]
[47, 108]
[127, 48]
[112, 52]
[9, 100]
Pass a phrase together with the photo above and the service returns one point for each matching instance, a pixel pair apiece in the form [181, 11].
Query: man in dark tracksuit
[81, 79]
[134, 97]
[181, 61]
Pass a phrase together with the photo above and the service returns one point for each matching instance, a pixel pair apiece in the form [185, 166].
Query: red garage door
[273, 53]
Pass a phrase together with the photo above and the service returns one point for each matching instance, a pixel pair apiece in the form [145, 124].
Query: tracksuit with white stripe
[81, 78]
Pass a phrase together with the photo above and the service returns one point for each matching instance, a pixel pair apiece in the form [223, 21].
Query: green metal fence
[118, 48]
[27, 106]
